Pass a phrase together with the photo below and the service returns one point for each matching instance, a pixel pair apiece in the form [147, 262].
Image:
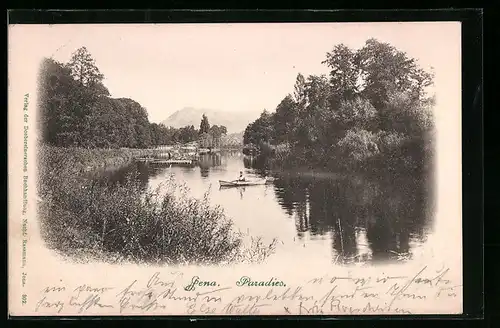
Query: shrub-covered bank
[88, 160]
[371, 112]
[84, 219]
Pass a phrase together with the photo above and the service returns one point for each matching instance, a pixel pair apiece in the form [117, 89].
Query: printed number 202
[24, 298]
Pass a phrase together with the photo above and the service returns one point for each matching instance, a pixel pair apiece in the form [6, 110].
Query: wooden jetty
[173, 161]
[144, 159]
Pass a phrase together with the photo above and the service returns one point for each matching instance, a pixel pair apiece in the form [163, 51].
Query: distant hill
[235, 122]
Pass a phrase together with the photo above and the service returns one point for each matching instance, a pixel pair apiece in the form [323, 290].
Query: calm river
[338, 218]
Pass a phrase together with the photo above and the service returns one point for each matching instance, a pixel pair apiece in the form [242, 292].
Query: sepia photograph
[235, 169]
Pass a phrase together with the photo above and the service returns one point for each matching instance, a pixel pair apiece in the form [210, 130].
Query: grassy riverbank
[86, 220]
[79, 160]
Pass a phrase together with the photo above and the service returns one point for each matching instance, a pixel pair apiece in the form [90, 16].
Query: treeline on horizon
[76, 110]
[371, 111]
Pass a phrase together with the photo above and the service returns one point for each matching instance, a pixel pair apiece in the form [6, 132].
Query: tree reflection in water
[208, 162]
[369, 220]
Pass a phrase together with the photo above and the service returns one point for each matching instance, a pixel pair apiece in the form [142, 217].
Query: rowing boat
[237, 183]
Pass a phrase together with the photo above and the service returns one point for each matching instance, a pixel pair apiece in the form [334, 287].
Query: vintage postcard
[235, 169]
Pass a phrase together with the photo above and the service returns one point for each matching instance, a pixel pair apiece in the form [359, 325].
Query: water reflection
[368, 220]
[365, 219]
[241, 190]
[208, 162]
[258, 164]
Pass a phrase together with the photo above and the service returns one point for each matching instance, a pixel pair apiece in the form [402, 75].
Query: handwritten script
[164, 293]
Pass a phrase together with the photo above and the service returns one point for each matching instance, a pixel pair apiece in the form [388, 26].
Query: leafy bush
[282, 151]
[359, 144]
[389, 141]
[358, 112]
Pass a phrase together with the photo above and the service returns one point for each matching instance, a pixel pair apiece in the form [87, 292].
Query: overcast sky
[235, 67]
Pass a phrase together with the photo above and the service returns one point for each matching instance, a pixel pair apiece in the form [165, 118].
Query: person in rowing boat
[241, 177]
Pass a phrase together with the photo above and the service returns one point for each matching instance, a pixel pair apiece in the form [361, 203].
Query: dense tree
[84, 70]
[284, 119]
[216, 133]
[261, 131]
[204, 125]
[57, 118]
[188, 134]
[343, 74]
[87, 95]
[299, 94]
[316, 113]
[358, 112]
[386, 70]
